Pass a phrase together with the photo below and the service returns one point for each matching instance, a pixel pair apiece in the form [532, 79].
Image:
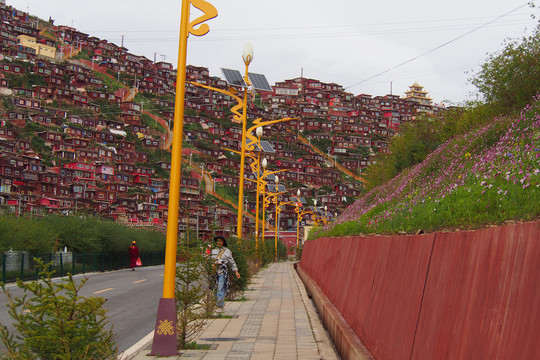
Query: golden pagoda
[417, 94]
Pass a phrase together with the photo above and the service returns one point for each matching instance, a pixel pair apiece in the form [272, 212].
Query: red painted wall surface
[464, 295]
[482, 298]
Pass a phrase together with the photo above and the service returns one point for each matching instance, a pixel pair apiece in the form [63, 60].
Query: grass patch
[194, 346]
[221, 316]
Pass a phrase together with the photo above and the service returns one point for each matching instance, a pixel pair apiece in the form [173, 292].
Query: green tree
[415, 141]
[511, 77]
[190, 294]
[35, 79]
[38, 144]
[56, 323]
[411, 146]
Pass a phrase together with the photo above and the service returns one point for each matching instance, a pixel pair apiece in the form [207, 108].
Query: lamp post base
[165, 342]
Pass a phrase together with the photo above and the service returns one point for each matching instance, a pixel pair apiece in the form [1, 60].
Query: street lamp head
[264, 163]
[315, 202]
[276, 179]
[298, 192]
[247, 54]
[325, 208]
[259, 131]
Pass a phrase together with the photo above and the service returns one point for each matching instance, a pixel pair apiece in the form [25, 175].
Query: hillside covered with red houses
[85, 127]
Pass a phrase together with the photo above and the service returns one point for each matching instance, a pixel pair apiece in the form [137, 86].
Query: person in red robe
[133, 252]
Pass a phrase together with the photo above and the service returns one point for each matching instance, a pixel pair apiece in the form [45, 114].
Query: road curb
[138, 347]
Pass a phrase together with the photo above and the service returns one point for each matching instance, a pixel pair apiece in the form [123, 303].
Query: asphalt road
[132, 301]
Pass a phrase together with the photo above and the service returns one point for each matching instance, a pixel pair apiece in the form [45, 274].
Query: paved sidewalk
[278, 321]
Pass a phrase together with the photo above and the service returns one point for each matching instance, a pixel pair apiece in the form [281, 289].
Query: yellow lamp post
[257, 126]
[164, 341]
[263, 184]
[259, 132]
[260, 183]
[254, 167]
[276, 220]
[316, 217]
[298, 217]
[258, 123]
[266, 199]
[278, 205]
[247, 56]
[325, 215]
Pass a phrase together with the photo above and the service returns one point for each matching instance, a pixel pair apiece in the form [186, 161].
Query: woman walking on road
[222, 258]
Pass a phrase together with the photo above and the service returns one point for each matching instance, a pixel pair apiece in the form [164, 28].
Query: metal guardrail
[21, 265]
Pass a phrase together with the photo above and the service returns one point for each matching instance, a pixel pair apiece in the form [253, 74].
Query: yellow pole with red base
[165, 342]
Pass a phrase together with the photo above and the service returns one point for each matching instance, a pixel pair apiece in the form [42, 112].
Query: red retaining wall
[461, 295]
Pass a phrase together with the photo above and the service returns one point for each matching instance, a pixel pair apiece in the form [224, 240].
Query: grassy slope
[488, 176]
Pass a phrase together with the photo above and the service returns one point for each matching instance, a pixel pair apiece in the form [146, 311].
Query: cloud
[342, 41]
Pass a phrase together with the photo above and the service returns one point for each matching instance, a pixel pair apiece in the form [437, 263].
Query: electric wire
[213, 38]
[273, 29]
[438, 47]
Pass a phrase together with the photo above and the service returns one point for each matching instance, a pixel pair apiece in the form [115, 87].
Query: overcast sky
[348, 42]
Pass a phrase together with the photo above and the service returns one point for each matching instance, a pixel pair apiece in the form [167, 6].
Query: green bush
[77, 233]
[56, 323]
[242, 252]
[26, 234]
[299, 249]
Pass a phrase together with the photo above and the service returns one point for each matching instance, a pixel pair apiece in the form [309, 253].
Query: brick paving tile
[276, 322]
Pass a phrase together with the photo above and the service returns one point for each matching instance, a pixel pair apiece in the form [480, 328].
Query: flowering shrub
[487, 176]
